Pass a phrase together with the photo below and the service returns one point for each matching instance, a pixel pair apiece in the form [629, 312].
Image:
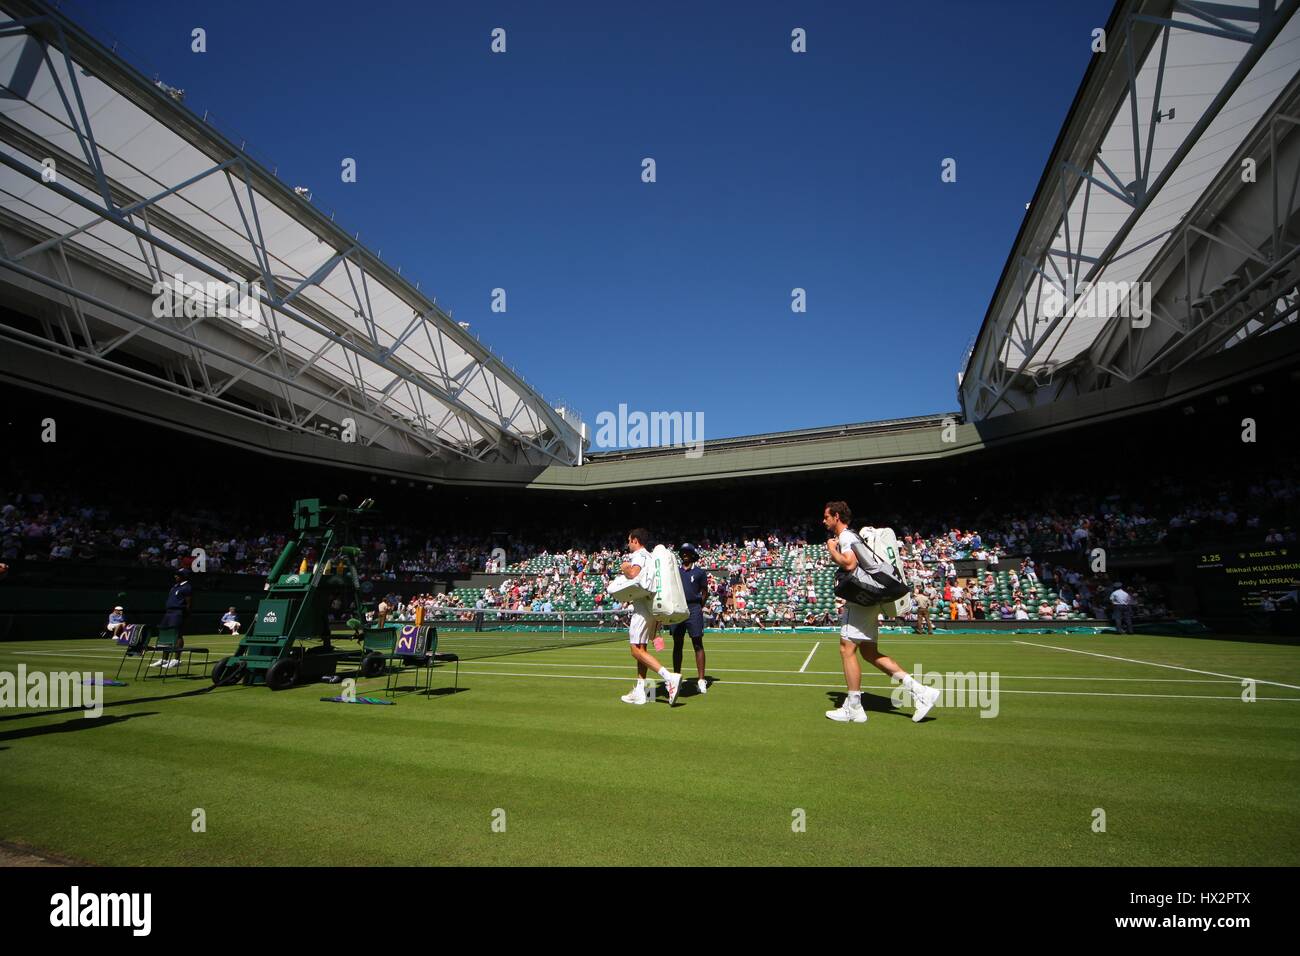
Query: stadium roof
[775, 439]
[1145, 184]
[143, 190]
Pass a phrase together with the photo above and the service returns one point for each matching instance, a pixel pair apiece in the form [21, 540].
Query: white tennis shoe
[923, 702]
[637, 695]
[849, 713]
[703, 685]
[674, 684]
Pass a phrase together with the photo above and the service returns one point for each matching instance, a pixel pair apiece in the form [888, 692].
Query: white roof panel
[1197, 66]
[144, 156]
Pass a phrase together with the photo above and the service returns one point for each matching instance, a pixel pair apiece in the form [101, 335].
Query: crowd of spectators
[776, 577]
[36, 526]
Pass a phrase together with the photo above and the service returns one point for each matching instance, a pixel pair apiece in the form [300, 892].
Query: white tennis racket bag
[626, 590]
[639, 588]
[669, 605]
[884, 544]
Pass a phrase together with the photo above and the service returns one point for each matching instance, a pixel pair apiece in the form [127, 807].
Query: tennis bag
[884, 542]
[627, 590]
[875, 580]
[669, 605]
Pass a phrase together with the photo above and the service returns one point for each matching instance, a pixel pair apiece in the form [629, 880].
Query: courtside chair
[417, 649]
[167, 644]
[134, 639]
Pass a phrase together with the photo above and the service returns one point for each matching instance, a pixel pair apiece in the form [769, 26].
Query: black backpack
[872, 582]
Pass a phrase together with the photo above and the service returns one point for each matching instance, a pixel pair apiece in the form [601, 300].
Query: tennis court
[535, 759]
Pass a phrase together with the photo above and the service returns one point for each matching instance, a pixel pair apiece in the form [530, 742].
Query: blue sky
[774, 171]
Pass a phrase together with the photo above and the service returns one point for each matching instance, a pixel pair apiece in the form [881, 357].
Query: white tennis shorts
[641, 628]
[860, 623]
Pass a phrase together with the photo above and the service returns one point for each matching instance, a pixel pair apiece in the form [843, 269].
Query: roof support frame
[982, 381]
[48, 30]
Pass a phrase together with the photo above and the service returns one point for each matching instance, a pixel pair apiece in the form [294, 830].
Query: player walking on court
[695, 586]
[860, 628]
[642, 626]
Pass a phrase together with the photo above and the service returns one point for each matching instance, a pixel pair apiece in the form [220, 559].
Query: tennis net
[472, 634]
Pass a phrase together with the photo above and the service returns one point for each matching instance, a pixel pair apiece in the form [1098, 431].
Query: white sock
[910, 683]
[664, 672]
[854, 698]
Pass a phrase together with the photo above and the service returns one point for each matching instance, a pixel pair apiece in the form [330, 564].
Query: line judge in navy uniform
[695, 586]
[177, 612]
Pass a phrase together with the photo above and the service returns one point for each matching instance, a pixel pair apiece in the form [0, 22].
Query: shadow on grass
[691, 687]
[414, 691]
[871, 703]
[108, 704]
[417, 690]
[68, 726]
[444, 691]
[661, 694]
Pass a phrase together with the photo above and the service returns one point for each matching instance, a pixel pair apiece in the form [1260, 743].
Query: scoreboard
[1247, 581]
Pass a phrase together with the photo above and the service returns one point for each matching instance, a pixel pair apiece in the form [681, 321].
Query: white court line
[722, 641]
[886, 687]
[488, 661]
[759, 683]
[810, 654]
[1174, 667]
[616, 647]
[611, 646]
[83, 656]
[494, 662]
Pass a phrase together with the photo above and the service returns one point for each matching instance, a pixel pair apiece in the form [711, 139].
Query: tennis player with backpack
[652, 585]
[867, 581]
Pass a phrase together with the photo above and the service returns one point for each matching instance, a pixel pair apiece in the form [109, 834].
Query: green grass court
[1187, 773]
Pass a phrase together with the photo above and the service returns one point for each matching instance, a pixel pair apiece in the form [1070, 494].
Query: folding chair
[167, 643]
[135, 639]
[417, 648]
